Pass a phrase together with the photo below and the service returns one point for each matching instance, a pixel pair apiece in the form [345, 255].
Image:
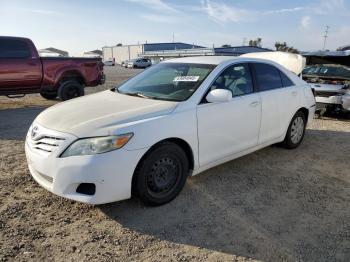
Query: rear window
[310, 70]
[14, 48]
[267, 76]
[328, 71]
[335, 71]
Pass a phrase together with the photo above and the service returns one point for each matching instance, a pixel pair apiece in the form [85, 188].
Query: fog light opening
[86, 189]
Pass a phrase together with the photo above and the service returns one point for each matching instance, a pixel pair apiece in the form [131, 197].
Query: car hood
[101, 113]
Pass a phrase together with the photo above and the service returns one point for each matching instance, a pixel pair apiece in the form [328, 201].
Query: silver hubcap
[297, 130]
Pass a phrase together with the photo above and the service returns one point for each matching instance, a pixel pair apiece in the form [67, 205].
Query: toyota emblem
[34, 132]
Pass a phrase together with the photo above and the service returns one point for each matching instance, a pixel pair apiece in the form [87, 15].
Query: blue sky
[83, 25]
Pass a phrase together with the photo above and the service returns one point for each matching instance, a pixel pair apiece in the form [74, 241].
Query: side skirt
[236, 155]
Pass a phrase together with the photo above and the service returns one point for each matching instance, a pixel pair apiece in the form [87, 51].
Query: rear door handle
[254, 104]
[294, 93]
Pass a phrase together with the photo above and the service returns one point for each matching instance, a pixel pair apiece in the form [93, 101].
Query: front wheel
[161, 175]
[296, 131]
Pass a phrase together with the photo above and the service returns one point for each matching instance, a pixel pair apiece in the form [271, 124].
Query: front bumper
[110, 172]
[340, 100]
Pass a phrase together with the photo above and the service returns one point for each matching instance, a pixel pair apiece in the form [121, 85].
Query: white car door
[278, 102]
[229, 127]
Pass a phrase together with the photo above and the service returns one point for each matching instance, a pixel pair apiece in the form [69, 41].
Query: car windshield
[167, 81]
[328, 70]
[311, 70]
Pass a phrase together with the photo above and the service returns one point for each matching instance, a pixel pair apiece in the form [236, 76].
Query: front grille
[47, 143]
[326, 93]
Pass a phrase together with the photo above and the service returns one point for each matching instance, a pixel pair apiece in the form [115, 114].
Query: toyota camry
[171, 121]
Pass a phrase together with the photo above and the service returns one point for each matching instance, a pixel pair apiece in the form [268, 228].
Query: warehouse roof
[327, 53]
[239, 50]
[211, 60]
[169, 46]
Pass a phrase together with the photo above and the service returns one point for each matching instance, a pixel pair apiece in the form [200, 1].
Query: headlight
[96, 145]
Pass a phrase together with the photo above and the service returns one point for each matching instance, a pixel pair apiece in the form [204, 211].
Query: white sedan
[139, 63]
[173, 120]
[109, 63]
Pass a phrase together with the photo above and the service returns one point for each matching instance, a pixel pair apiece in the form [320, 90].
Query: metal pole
[325, 37]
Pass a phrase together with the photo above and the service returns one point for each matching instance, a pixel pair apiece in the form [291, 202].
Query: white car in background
[174, 120]
[109, 63]
[139, 63]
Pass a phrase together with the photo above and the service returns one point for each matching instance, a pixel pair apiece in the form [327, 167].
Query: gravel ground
[272, 205]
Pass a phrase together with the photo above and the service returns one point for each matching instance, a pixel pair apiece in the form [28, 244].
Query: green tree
[255, 42]
[282, 46]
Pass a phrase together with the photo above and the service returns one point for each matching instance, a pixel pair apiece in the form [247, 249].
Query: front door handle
[254, 104]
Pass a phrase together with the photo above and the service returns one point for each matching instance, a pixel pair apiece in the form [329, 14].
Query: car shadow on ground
[273, 205]
[14, 123]
[342, 116]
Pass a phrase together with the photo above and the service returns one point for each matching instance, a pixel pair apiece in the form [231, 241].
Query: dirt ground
[272, 205]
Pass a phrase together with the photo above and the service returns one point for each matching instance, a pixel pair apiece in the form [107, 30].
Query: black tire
[49, 96]
[161, 174]
[70, 89]
[294, 138]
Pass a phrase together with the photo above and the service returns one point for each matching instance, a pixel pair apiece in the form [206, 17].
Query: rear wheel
[296, 131]
[70, 89]
[161, 175]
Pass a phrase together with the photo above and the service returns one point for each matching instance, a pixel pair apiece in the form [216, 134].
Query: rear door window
[267, 77]
[286, 80]
[14, 48]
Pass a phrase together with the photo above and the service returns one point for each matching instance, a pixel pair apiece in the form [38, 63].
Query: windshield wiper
[138, 94]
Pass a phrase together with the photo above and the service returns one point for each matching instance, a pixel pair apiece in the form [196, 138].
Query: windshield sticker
[186, 79]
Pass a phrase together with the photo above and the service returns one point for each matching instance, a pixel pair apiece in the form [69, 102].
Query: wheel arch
[71, 75]
[305, 111]
[184, 145]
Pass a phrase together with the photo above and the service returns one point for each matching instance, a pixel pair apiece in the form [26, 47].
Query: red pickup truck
[23, 71]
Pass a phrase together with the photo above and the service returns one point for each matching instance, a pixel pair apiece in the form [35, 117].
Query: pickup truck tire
[70, 89]
[49, 96]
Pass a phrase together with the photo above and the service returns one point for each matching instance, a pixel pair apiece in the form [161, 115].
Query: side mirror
[219, 95]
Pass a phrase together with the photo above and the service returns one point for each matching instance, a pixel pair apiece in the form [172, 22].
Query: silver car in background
[139, 63]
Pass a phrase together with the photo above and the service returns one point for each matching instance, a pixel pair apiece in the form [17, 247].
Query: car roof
[210, 60]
